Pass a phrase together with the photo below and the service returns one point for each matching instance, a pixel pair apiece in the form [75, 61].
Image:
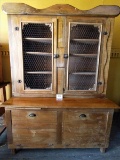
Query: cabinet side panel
[105, 54]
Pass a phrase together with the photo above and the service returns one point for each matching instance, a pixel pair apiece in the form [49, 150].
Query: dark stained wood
[92, 103]
[2, 110]
[59, 9]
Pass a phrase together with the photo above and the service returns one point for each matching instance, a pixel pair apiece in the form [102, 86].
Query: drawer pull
[83, 116]
[32, 115]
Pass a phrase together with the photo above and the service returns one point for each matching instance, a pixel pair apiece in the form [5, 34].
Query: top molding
[61, 9]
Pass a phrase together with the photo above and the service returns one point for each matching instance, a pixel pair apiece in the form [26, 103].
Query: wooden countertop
[29, 102]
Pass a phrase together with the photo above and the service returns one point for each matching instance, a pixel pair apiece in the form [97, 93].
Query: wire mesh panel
[82, 64]
[84, 44]
[37, 46]
[38, 81]
[84, 31]
[37, 62]
[37, 57]
[81, 47]
[81, 82]
[37, 30]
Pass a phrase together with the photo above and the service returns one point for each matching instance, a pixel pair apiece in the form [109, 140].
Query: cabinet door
[85, 47]
[36, 71]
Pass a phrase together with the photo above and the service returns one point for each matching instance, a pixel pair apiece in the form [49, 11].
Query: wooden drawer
[34, 119]
[32, 129]
[84, 128]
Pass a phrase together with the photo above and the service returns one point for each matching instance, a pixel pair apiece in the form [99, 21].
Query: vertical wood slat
[60, 81]
[9, 126]
[109, 125]
[61, 32]
[59, 127]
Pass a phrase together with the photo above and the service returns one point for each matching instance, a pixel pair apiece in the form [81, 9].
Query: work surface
[65, 103]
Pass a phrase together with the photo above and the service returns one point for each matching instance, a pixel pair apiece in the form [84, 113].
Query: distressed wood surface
[66, 130]
[59, 9]
[8, 119]
[22, 102]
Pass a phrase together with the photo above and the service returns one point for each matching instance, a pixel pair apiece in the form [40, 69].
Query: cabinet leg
[102, 150]
[13, 151]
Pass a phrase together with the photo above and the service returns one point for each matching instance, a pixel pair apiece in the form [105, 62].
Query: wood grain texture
[59, 9]
[16, 102]
[67, 130]
[8, 120]
[16, 57]
[35, 121]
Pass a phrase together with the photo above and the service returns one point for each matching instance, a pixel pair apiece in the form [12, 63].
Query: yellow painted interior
[113, 91]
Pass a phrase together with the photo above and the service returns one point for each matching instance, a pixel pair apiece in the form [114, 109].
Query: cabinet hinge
[16, 28]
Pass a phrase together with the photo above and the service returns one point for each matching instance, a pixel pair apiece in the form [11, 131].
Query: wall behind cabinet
[113, 91]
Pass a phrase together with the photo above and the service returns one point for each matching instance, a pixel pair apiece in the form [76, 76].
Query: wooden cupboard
[70, 123]
[59, 50]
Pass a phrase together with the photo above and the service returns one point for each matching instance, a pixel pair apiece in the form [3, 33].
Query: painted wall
[113, 91]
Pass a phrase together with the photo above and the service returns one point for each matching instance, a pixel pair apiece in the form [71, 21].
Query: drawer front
[34, 119]
[82, 128]
[34, 129]
[33, 138]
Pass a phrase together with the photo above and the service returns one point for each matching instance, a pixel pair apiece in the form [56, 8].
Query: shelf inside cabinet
[39, 53]
[78, 47]
[43, 40]
[84, 73]
[45, 72]
[84, 55]
[37, 46]
[86, 40]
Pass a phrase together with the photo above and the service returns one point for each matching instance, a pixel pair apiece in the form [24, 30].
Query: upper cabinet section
[59, 50]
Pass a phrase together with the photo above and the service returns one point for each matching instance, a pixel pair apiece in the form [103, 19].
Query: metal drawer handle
[83, 116]
[32, 115]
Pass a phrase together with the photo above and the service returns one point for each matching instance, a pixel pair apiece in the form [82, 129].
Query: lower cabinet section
[59, 128]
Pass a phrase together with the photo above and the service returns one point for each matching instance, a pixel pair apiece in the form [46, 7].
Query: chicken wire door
[38, 52]
[84, 40]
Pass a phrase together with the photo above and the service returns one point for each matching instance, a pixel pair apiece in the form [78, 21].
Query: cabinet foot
[13, 151]
[102, 150]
